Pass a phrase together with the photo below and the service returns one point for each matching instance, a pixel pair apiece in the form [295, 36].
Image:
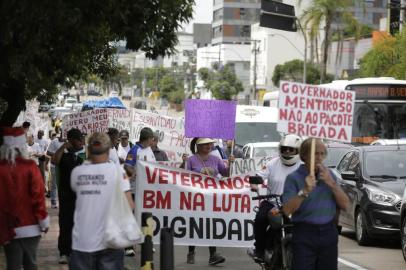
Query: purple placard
[210, 118]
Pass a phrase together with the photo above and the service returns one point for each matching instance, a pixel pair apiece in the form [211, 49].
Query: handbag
[122, 229]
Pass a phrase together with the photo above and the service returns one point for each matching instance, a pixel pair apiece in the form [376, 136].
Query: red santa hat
[14, 136]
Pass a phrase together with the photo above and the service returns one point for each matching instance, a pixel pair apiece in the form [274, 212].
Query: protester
[159, 154]
[23, 214]
[275, 173]
[88, 249]
[55, 144]
[124, 146]
[42, 160]
[205, 163]
[313, 205]
[113, 134]
[70, 155]
[141, 150]
[230, 145]
[34, 150]
[26, 126]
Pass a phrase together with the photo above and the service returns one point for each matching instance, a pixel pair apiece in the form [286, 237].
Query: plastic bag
[122, 229]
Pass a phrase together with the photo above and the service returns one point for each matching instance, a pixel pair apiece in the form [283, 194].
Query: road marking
[350, 264]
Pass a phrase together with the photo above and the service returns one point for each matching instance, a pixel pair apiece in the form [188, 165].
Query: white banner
[248, 165]
[120, 119]
[316, 111]
[200, 209]
[87, 122]
[170, 129]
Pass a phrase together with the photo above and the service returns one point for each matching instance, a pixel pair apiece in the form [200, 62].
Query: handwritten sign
[200, 209]
[210, 118]
[87, 122]
[316, 111]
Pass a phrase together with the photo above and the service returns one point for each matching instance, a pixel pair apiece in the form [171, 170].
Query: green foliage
[169, 84]
[293, 71]
[223, 83]
[45, 42]
[387, 58]
[177, 96]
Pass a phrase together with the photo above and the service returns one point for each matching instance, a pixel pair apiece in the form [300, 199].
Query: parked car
[58, 111]
[389, 142]
[335, 152]
[373, 177]
[93, 93]
[43, 107]
[69, 102]
[261, 149]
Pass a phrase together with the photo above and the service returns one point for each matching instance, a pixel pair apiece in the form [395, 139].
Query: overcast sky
[203, 13]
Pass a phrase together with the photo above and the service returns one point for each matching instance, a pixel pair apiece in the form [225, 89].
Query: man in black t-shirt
[70, 155]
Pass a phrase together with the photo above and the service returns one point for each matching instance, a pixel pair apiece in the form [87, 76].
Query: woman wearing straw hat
[204, 163]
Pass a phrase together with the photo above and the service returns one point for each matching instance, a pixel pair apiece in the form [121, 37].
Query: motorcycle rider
[275, 172]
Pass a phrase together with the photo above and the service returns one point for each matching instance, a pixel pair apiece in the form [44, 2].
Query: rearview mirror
[256, 180]
[349, 175]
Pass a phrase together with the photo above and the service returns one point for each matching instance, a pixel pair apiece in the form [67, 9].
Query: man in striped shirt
[313, 201]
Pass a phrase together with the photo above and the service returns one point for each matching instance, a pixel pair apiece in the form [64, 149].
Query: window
[344, 162]
[354, 165]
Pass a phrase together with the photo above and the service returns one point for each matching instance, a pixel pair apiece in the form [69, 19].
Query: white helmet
[289, 149]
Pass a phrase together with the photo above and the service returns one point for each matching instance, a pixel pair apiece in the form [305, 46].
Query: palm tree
[334, 15]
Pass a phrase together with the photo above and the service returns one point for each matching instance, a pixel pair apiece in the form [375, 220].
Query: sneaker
[258, 257]
[130, 252]
[190, 258]
[63, 259]
[216, 259]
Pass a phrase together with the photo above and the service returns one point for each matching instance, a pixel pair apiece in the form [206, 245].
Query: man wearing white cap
[23, 214]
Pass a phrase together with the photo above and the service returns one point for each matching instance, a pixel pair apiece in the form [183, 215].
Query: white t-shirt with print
[275, 173]
[94, 185]
[146, 154]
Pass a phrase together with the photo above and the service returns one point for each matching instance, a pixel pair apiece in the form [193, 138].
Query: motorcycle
[278, 251]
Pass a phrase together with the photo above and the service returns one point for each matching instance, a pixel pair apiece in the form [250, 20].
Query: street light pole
[305, 50]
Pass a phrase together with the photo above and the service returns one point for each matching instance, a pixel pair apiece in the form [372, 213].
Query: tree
[332, 16]
[386, 59]
[44, 43]
[293, 71]
[222, 82]
[169, 84]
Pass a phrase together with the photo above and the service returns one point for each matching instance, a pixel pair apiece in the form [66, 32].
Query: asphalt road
[380, 255]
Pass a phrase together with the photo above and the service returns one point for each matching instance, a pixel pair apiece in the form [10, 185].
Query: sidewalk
[48, 253]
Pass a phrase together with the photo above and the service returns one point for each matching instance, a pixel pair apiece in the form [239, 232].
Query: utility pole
[402, 14]
[255, 68]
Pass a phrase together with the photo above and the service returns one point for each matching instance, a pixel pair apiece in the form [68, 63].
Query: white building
[184, 51]
[275, 47]
[236, 55]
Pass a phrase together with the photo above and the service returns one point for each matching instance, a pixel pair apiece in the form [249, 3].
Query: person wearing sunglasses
[275, 173]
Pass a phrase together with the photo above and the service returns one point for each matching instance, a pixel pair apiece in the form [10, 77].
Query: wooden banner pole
[312, 157]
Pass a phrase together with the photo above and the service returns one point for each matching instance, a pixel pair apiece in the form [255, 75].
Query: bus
[380, 108]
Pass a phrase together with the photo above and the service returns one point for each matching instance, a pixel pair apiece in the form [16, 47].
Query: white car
[113, 94]
[69, 102]
[77, 107]
[389, 142]
[261, 149]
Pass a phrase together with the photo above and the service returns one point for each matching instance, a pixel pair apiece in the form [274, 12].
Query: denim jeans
[105, 259]
[54, 188]
[22, 252]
